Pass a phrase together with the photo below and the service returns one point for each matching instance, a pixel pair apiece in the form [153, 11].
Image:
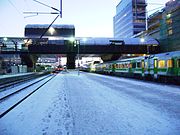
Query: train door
[142, 66]
[155, 68]
[113, 68]
[177, 66]
[146, 66]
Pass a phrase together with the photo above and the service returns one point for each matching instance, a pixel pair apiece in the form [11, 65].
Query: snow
[14, 75]
[91, 104]
[12, 89]
[17, 97]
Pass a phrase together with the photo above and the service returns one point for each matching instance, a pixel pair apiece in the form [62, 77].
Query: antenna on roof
[59, 12]
[61, 8]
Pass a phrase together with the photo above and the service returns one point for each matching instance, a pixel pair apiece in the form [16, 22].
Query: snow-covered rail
[34, 87]
[8, 82]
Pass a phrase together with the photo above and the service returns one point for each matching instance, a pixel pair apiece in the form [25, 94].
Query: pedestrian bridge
[70, 47]
[97, 46]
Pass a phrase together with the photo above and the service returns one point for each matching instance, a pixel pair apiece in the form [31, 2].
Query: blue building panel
[130, 18]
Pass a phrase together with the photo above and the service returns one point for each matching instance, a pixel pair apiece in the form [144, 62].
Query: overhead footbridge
[97, 46]
[70, 47]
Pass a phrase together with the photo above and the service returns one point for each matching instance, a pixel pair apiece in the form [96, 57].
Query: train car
[131, 67]
[164, 66]
[90, 66]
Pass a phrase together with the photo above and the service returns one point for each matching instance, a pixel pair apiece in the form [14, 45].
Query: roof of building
[59, 26]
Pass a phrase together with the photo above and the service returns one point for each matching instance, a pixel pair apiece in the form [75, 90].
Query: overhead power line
[46, 5]
[14, 6]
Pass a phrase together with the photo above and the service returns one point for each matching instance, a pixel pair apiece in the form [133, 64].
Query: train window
[119, 65]
[142, 64]
[126, 66]
[161, 64]
[116, 66]
[130, 65]
[178, 63]
[133, 65]
[138, 64]
[155, 63]
[170, 63]
[146, 64]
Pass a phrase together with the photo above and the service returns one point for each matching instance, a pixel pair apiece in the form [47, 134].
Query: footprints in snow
[58, 119]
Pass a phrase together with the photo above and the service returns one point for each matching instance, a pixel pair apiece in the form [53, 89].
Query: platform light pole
[78, 43]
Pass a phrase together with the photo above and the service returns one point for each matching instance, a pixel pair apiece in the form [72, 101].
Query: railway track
[15, 81]
[7, 102]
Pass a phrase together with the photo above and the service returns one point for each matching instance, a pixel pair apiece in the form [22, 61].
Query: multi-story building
[130, 18]
[164, 25]
[154, 22]
[170, 27]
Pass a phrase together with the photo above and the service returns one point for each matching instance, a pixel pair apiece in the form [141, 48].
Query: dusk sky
[92, 18]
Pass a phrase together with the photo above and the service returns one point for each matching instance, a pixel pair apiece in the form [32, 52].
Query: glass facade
[130, 18]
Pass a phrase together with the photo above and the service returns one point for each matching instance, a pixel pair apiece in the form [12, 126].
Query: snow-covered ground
[91, 104]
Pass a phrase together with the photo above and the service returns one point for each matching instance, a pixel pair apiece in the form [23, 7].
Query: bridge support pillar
[109, 57]
[71, 61]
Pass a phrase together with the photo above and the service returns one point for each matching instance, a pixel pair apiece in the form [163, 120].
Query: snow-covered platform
[91, 104]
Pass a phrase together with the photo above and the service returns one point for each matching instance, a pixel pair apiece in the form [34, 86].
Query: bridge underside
[114, 50]
[107, 52]
[95, 49]
[107, 48]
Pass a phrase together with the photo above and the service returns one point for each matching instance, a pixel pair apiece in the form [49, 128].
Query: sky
[91, 18]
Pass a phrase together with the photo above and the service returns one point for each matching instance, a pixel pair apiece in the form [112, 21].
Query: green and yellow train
[164, 66]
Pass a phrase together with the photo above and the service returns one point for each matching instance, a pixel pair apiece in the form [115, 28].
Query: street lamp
[142, 40]
[51, 30]
[78, 43]
[5, 38]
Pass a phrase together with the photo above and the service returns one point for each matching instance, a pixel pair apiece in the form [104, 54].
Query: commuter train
[58, 69]
[162, 67]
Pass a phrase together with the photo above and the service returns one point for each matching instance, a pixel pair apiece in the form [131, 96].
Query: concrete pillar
[71, 61]
[110, 57]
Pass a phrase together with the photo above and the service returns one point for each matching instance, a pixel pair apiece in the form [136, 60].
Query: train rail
[15, 81]
[19, 99]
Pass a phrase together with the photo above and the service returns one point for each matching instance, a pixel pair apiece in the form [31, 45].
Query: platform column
[71, 61]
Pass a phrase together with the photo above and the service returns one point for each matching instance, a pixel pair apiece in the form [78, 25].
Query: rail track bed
[12, 97]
